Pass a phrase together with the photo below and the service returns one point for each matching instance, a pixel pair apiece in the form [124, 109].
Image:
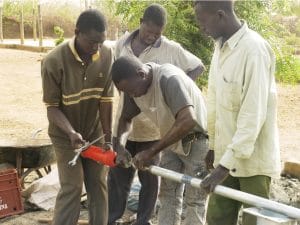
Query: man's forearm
[124, 128]
[184, 123]
[56, 116]
[106, 119]
[195, 73]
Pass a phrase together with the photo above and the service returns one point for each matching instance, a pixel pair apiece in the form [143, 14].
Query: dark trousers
[119, 183]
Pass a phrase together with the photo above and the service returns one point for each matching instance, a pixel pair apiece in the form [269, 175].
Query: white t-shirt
[161, 52]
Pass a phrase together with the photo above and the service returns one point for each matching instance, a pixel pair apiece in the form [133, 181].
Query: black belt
[194, 136]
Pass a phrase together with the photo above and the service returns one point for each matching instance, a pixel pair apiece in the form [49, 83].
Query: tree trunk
[22, 24]
[1, 23]
[34, 20]
[40, 25]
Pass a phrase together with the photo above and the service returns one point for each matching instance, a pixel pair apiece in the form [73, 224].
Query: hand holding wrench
[84, 147]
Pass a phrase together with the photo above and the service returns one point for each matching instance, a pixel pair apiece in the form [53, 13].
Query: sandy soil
[22, 112]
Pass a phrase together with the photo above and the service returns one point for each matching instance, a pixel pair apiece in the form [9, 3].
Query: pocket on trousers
[187, 147]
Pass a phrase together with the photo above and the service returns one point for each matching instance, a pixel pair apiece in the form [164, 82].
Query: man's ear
[141, 73]
[220, 14]
[76, 31]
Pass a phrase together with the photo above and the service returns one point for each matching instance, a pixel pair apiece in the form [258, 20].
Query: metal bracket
[268, 217]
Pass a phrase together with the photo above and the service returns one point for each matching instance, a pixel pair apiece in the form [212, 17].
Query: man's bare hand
[216, 177]
[142, 159]
[124, 158]
[107, 146]
[76, 140]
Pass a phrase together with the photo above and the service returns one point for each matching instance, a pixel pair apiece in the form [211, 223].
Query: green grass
[288, 69]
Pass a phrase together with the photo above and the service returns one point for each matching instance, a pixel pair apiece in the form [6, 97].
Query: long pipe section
[240, 196]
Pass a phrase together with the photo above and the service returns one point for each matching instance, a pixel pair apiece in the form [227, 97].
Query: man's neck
[137, 45]
[232, 28]
[86, 58]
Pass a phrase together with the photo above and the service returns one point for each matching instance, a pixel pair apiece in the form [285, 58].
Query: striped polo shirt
[77, 89]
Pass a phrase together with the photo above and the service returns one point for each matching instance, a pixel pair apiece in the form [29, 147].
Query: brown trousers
[71, 178]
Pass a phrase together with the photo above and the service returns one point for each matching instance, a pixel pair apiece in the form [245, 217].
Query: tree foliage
[12, 10]
[54, 13]
[263, 16]
[59, 32]
[182, 28]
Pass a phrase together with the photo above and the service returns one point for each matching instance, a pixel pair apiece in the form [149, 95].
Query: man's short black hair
[124, 68]
[215, 5]
[156, 14]
[91, 19]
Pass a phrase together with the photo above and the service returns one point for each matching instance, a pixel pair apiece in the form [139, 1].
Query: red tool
[84, 147]
[100, 155]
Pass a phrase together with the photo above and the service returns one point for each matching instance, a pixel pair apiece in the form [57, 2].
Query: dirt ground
[22, 112]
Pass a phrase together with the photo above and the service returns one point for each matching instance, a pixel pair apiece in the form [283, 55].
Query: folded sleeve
[51, 82]
[175, 94]
[109, 89]
[185, 59]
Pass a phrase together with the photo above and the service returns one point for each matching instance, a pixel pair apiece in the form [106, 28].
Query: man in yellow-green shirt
[242, 127]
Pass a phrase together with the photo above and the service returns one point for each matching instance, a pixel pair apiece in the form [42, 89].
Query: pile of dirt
[286, 190]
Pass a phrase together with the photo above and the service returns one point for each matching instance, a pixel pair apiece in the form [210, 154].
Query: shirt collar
[236, 37]
[75, 53]
[73, 50]
[156, 44]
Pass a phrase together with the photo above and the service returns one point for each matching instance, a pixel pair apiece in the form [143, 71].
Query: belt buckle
[194, 137]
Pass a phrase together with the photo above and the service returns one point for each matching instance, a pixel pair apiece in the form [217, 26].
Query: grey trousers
[171, 193]
[67, 206]
[119, 184]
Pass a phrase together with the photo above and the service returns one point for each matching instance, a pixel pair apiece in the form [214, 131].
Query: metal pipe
[240, 196]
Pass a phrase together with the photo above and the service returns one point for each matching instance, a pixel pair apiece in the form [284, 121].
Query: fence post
[1, 21]
[40, 25]
[34, 35]
[22, 23]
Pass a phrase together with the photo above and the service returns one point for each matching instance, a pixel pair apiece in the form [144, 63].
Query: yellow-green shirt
[242, 112]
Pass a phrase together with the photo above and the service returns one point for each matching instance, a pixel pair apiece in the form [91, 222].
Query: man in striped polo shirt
[78, 93]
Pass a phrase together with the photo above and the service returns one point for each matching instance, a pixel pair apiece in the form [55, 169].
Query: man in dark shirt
[78, 94]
